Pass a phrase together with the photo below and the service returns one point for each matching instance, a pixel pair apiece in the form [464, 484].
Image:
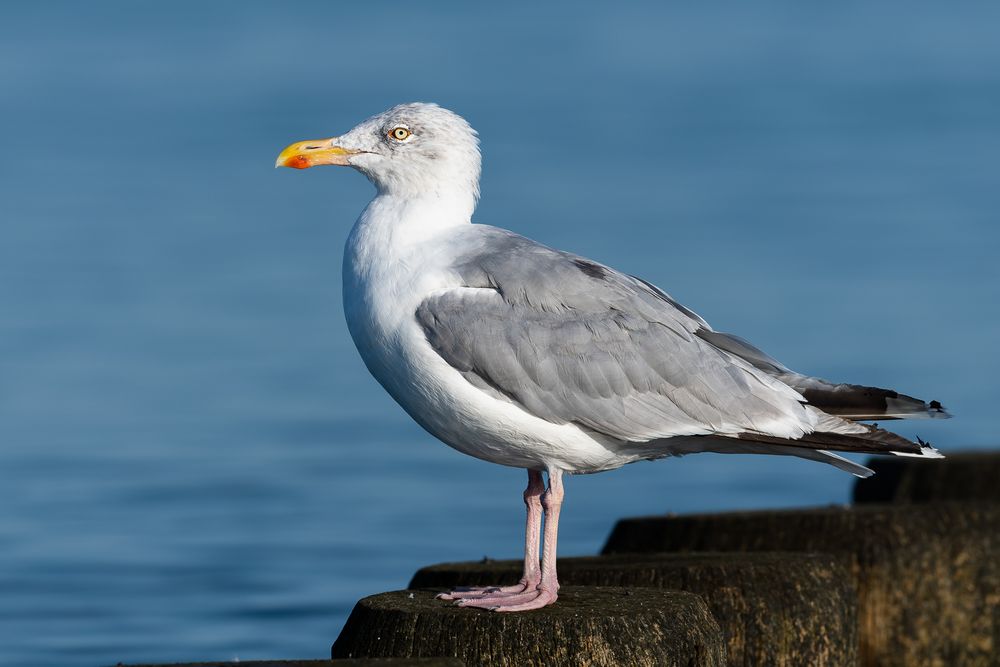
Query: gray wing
[570, 340]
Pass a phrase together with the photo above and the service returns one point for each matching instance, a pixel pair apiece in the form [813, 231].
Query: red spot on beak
[298, 162]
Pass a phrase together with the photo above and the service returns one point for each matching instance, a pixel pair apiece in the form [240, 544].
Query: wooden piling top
[782, 609]
[599, 626]
[927, 576]
[973, 476]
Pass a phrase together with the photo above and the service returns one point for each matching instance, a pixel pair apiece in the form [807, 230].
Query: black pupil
[400, 133]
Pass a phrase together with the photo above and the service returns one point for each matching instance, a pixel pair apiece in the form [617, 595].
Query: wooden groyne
[927, 576]
[360, 662]
[907, 576]
[965, 476]
[593, 625]
[773, 608]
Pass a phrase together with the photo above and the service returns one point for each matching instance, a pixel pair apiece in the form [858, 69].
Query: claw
[476, 592]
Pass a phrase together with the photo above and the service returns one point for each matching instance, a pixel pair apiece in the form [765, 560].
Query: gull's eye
[399, 134]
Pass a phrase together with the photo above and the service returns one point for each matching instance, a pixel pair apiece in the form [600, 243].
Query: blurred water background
[194, 464]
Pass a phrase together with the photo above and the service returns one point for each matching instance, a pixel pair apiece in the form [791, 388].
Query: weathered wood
[928, 576]
[360, 662]
[962, 476]
[779, 609]
[587, 626]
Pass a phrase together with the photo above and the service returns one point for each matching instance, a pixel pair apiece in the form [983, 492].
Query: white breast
[388, 271]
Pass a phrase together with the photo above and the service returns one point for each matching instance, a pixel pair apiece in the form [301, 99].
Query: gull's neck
[391, 223]
[393, 256]
[390, 240]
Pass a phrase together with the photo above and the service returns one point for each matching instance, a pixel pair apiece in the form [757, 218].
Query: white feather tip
[926, 452]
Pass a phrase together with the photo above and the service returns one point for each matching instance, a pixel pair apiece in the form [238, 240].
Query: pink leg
[547, 588]
[532, 575]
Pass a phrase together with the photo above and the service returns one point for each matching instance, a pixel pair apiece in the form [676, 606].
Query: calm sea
[194, 463]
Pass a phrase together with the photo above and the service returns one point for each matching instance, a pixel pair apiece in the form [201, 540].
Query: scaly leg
[546, 591]
[532, 575]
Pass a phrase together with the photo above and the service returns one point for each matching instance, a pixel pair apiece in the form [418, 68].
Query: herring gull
[526, 356]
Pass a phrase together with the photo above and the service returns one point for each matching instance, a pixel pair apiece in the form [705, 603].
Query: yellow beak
[305, 154]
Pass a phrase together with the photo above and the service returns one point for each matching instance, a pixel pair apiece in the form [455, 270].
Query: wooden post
[928, 576]
[363, 662]
[587, 626]
[777, 609]
[962, 476]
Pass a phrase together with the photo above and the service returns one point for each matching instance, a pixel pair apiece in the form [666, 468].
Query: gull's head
[410, 150]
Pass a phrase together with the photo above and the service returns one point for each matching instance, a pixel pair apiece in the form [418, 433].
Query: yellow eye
[400, 133]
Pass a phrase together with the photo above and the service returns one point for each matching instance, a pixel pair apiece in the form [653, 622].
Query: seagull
[527, 356]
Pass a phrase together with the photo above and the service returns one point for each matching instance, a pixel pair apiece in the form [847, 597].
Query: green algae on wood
[597, 626]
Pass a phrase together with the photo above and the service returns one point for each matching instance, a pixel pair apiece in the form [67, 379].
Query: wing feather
[571, 340]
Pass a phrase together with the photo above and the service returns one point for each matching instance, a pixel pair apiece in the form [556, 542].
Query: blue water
[194, 463]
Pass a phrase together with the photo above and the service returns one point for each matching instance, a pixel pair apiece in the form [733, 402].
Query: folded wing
[571, 340]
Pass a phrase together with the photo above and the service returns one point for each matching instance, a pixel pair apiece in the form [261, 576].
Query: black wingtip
[937, 411]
